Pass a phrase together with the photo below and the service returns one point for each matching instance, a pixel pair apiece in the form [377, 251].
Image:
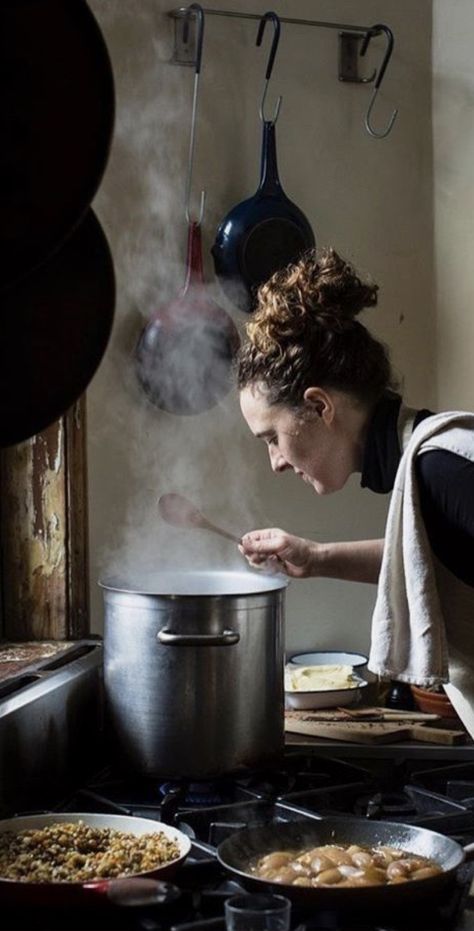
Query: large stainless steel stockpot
[193, 672]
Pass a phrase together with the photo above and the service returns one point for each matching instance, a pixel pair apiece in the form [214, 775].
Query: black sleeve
[446, 485]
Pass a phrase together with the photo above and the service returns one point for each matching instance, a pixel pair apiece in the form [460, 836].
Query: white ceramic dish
[327, 698]
[330, 657]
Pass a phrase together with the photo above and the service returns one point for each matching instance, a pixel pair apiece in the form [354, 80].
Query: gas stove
[437, 795]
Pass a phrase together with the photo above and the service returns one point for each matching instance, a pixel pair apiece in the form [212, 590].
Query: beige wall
[453, 148]
[370, 198]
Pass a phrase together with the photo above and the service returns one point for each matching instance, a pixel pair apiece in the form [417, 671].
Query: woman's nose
[277, 461]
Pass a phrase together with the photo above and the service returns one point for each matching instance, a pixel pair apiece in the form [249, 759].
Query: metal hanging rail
[354, 41]
[182, 11]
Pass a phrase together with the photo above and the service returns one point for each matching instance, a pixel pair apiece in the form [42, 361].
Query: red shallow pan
[138, 889]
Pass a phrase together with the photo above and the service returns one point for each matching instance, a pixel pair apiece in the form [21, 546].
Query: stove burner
[385, 805]
[193, 793]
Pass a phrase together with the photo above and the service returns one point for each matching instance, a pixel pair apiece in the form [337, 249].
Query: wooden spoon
[177, 510]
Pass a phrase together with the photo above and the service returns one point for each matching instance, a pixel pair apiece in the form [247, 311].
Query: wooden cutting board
[361, 714]
[374, 732]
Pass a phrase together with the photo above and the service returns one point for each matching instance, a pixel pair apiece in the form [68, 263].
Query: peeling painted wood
[76, 488]
[43, 533]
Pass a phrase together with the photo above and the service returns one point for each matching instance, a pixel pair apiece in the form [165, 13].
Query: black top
[445, 482]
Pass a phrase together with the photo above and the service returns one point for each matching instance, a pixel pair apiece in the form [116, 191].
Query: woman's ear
[321, 403]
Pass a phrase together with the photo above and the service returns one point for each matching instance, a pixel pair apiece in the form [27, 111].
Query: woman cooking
[317, 388]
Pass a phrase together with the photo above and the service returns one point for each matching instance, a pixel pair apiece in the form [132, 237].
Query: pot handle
[226, 639]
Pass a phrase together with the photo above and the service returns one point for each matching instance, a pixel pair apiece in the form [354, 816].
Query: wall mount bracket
[349, 58]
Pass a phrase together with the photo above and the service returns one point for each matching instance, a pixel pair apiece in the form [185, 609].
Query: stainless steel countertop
[408, 749]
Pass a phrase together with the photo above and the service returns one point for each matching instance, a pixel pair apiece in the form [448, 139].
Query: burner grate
[393, 806]
[213, 825]
[455, 781]
[307, 786]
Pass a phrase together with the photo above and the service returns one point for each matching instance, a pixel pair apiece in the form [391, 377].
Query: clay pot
[433, 702]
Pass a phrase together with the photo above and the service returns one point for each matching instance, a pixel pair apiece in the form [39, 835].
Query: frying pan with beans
[241, 851]
[140, 888]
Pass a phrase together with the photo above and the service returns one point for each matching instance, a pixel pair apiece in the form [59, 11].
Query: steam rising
[184, 355]
[135, 445]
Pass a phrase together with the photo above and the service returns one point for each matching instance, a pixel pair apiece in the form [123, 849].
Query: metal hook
[199, 13]
[374, 31]
[271, 60]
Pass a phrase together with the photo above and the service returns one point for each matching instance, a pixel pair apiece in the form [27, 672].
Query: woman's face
[323, 445]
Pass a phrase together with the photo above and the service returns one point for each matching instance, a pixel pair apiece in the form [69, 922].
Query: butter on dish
[320, 678]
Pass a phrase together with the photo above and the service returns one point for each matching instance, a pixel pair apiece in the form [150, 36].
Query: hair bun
[317, 293]
[304, 333]
[331, 285]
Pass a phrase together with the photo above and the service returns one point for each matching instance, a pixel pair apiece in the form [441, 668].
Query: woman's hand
[280, 550]
[354, 561]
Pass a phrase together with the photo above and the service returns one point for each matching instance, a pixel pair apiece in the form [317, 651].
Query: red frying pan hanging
[185, 352]
[57, 106]
[54, 330]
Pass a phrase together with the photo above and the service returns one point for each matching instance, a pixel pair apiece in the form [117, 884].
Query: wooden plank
[389, 714]
[438, 735]
[376, 732]
[363, 714]
[43, 533]
[77, 514]
[32, 534]
[365, 733]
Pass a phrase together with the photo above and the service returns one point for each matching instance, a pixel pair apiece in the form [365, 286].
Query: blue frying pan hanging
[266, 232]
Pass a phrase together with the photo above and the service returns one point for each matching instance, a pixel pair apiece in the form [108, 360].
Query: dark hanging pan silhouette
[267, 231]
[53, 333]
[184, 354]
[57, 106]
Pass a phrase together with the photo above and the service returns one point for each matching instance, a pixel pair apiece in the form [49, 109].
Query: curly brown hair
[304, 333]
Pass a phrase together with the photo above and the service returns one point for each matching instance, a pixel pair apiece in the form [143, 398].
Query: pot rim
[199, 583]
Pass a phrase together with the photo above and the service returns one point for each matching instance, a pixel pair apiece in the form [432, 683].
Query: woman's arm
[354, 561]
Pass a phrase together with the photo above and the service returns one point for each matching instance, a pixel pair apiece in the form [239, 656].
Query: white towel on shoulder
[410, 631]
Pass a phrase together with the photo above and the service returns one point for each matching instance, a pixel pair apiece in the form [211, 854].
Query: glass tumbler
[257, 913]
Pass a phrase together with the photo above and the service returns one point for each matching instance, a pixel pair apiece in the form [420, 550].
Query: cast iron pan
[260, 235]
[57, 106]
[239, 850]
[54, 330]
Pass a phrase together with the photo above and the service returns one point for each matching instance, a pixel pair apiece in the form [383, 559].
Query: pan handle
[205, 848]
[226, 639]
[131, 891]
[469, 852]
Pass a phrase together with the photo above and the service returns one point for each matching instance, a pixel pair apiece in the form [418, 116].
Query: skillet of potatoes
[343, 866]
